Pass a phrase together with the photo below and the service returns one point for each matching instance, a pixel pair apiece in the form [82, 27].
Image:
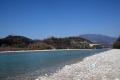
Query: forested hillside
[117, 44]
[23, 43]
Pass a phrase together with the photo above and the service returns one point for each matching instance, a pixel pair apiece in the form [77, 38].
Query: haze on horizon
[45, 18]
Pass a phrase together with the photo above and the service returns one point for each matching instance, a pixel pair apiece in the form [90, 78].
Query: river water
[30, 65]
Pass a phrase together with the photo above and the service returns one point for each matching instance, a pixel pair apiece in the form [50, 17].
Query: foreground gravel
[103, 66]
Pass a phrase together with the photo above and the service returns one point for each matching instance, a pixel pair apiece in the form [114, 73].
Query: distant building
[96, 46]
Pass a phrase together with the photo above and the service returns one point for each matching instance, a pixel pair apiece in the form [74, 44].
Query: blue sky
[45, 18]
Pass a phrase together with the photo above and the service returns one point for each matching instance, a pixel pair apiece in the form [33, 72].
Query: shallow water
[30, 65]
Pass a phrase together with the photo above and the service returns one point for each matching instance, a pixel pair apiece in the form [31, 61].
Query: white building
[92, 45]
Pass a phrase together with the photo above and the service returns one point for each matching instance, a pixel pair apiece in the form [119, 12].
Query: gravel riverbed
[102, 66]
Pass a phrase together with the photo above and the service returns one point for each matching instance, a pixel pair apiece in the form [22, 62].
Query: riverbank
[41, 50]
[102, 66]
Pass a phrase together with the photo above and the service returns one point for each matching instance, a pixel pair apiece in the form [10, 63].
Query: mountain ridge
[23, 43]
[106, 41]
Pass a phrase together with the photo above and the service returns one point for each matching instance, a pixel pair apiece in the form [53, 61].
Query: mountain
[23, 43]
[15, 41]
[67, 42]
[104, 40]
[117, 44]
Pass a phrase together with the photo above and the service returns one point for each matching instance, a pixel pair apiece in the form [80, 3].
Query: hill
[23, 43]
[67, 42]
[15, 41]
[104, 40]
[117, 44]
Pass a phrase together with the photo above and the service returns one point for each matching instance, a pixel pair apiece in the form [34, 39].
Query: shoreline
[103, 66]
[43, 50]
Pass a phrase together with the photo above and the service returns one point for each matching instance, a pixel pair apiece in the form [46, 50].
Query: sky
[45, 18]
